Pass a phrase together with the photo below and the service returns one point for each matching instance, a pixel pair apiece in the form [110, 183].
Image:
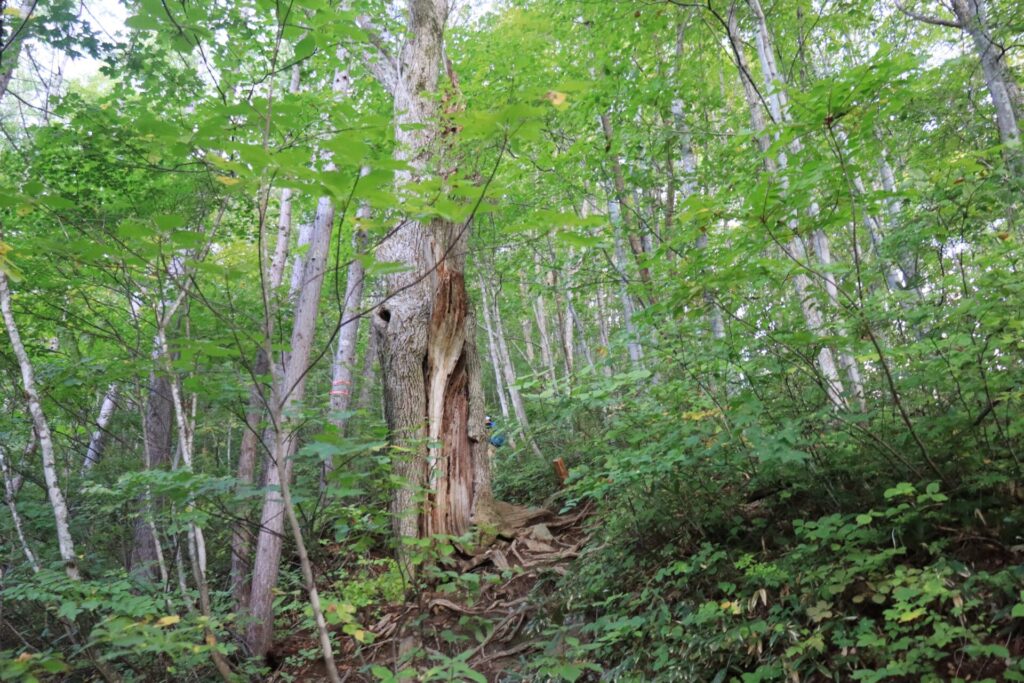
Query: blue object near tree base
[498, 440]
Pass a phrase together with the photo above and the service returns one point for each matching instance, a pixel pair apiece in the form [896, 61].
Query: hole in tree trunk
[384, 314]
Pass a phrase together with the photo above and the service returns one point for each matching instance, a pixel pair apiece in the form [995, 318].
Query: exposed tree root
[490, 624]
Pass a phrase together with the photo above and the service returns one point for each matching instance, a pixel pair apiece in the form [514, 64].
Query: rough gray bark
[61, 516]
[433, 396]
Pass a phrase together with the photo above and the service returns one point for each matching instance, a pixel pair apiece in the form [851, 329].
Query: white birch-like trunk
[636, 353]
[540, 313]
[527, 324]
[505, 358]
[492, 348]
[10, 494]
[41, 425]
[343, 367]
[1004, 91]
[796, 250]
[94, 451]
[288, 392]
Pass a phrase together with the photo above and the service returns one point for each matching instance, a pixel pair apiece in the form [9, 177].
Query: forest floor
[492, 620]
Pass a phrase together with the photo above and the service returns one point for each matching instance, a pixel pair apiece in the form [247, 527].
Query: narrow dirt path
[490, 622]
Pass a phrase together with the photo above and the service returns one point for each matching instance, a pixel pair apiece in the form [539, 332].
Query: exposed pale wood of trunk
[433, 397]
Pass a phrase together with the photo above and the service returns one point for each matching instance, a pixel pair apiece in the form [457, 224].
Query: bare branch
[378, 61]
[927, 18]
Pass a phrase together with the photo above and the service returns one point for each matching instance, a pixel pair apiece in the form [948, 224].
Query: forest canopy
[511, 340]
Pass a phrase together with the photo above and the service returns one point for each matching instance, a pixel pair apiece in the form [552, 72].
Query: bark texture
[94, 451]
[432, 392]
[42, 428]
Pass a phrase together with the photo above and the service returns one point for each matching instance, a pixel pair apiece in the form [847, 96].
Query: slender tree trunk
[625, 205]
[146, 558]
[565, 323]
[368, 376]
[603, 330]
[893, 209]
[241, 534]
[636, 353]
[540, 313]
[42, 428]
[527, 324]
[492, 347]
[796, 249]
[1002, 88]
[343, 368]
[10, 493]
[894, 278]
[775, 83]
[288, 392]
[574, 319]
[94, 451]
[505, 360]
[846, 360]
[196, 539]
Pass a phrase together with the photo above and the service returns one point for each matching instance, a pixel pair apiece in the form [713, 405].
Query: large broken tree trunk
[432, 391]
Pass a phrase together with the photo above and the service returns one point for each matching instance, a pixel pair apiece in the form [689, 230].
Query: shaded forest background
[748, 271]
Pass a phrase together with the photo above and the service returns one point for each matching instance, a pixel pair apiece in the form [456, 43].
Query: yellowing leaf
[911, 615]
[557, 99]
[360, 635]
[24, 657]
[169, 620]
[227, 180]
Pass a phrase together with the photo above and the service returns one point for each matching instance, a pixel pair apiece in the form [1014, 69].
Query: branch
[928, 19]
[378, 61]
